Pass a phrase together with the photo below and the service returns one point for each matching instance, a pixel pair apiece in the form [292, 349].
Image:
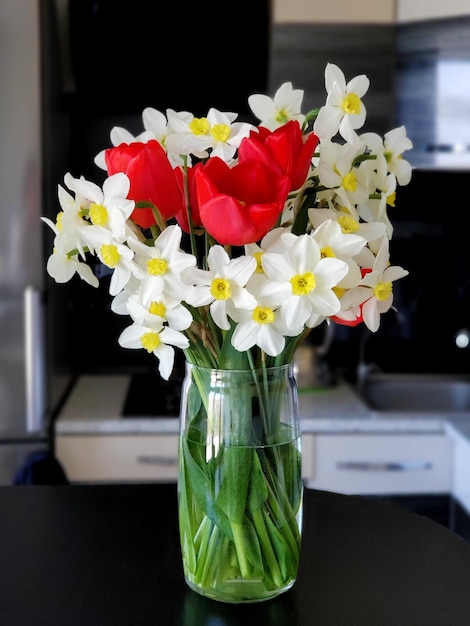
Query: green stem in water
[237, 530]
[208, 570]
[268, 551]
[202, 553]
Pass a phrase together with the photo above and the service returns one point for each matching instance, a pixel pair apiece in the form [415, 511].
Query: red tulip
[348, 322]
[239, 205]
[358, 312]
[152, 179]
[284, 147]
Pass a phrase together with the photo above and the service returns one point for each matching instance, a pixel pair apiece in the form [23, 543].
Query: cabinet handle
[156, 459]
[390, 466]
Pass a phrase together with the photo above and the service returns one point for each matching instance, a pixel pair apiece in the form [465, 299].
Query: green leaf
[252, 546]
[299, 226]
[280, 545]
[197, 473]
[236, 472]
[193, 402]
[230, 358]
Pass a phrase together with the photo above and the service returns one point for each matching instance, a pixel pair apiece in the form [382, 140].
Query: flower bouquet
[232, 242]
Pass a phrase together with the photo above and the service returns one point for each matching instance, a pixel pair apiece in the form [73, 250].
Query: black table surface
[93, 555]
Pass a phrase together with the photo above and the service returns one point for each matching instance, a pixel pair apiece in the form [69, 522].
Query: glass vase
[240, 482]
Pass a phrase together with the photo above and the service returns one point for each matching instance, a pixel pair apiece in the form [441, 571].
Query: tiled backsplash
[433, 90]
[300, 52]
[419, 72]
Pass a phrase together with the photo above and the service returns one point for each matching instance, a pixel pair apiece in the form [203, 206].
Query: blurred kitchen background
[66, 78]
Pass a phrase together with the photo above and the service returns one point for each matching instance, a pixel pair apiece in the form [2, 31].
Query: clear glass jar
[240, 482]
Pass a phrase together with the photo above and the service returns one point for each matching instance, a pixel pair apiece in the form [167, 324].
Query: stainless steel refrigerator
[24, 407]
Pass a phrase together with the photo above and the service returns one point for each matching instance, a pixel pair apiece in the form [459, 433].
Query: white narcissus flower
[273, 241]
[262, 325]
[374, 211]
[62, 267]
[181, 127]
[108, 208]
[395, 143]
[373, 145]
[301, 282]
[223, 283]
[155, 124]
[217, 134]
[152, 336]
[147, 305]
[163, 263]
[275, 112]
[69, 245]
[67, 225]
[375, 291]
[370, 231]
[337, 245]
[337, 172]
[115, 255]
[344, 111]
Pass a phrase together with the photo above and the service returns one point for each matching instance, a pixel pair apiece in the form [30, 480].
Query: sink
[435, 393]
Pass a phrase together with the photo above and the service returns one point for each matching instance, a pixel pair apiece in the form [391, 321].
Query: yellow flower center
[382, 291]
[259, 265]
[157, 267]
[157, 308]
[220, 289]
[199, 126]
[110, 255]
[327, 251]
[302, 284]
[350, 182]
[351, 104]
[220, 132]
[150, 341]
[58, 221]
[348, 224]
[391, 199]
[388, 156]
[98, 214]
[282, 116]
[338, 291]
[263, 315]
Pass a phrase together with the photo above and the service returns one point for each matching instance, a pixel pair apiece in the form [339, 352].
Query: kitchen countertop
[95, 406]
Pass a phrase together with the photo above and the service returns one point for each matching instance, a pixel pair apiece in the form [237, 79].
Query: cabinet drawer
[382, 464]
[98, 458]
[90, 458]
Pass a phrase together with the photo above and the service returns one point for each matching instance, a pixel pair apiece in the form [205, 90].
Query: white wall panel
[415, 10]
[341, 11]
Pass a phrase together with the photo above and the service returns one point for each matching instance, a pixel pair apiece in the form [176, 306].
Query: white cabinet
[308, 442]
[118, 458]
[125, 458]
[381, 463]
[462, 473]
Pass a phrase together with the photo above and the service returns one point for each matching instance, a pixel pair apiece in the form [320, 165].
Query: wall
[415, 10]
[366, 11]
[334, 11]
